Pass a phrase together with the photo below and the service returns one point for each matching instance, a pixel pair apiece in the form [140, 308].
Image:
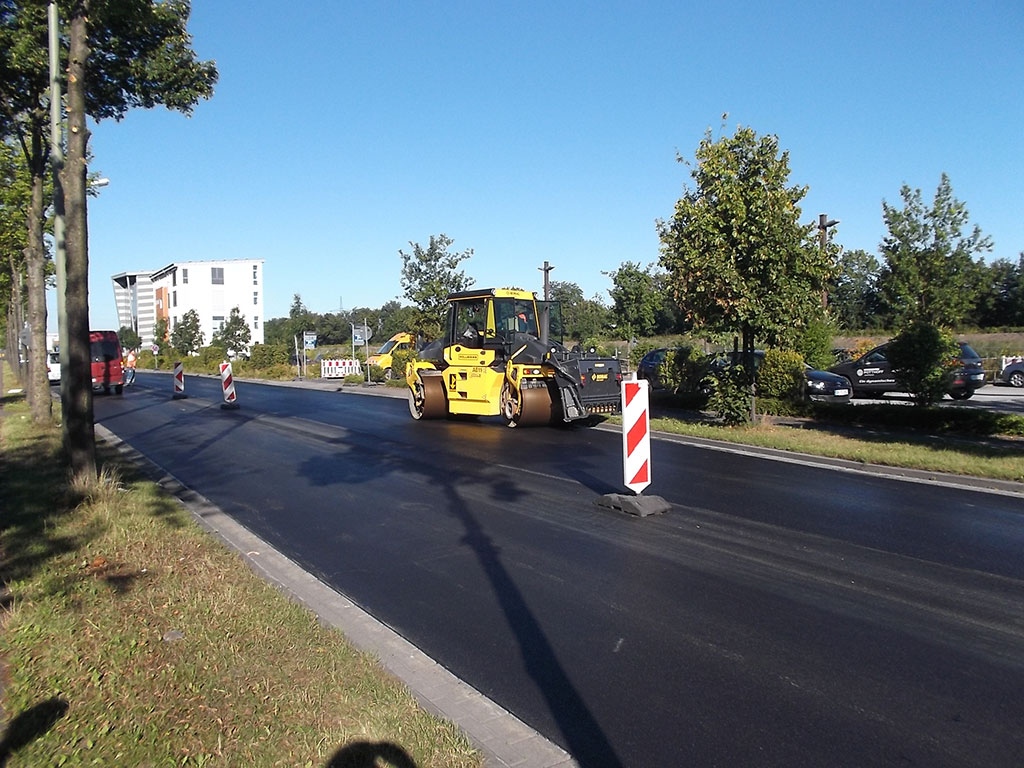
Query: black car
[872, 373]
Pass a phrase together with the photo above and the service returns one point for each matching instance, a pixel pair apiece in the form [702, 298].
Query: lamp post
[824, 224]
[545, 318]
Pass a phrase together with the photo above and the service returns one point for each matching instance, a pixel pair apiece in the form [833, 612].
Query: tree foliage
[187, 337]
[235, 335]
[428, 276]
[129, 337]
[929, 268]
[635, 299]
[738, 258]
[582, 318]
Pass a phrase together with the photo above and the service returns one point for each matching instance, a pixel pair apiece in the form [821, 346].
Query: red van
[105, 353]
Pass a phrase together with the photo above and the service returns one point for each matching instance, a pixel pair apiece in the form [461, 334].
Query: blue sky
[532, 131]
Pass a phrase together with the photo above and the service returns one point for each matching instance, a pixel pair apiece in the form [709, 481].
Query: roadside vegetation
[131, 637]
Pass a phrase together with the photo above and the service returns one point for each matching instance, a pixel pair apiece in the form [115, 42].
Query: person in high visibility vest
[129, 367]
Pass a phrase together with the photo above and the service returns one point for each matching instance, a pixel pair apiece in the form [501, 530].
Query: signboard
[156, 349]
[361, 334]
[309, 339]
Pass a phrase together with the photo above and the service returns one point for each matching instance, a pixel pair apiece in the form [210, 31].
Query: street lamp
[824, 224]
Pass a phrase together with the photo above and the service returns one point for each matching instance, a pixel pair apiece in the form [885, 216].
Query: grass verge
[131, 637]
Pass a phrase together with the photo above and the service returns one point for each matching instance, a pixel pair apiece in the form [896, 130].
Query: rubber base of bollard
[178, 396]
[229, 406]
[641, 506]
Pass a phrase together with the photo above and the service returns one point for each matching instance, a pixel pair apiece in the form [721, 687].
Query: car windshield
[388, 346]
[104, 350]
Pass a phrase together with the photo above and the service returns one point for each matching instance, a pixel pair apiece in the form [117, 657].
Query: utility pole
[545, 318]
[823, 226]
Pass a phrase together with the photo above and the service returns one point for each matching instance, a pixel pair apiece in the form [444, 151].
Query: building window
[174, 322]
[255, 278]
[255, 297]
[218, 322]
[217, 275]
[174, 298]
[255, 322]
[184, 277]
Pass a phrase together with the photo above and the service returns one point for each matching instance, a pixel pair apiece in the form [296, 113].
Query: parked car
[53, 367]
[1012, 372]
[871, 373]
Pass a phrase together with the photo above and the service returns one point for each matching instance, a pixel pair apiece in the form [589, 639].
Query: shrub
[209, 359]
[923, 359]
[781, 375]
[729, 394]
[684, 370]
[353, 378]
[399, 360]
[376, 373]
[815, 344]
[268, 355]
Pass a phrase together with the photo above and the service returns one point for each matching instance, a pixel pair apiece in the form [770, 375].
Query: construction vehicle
[497, 357]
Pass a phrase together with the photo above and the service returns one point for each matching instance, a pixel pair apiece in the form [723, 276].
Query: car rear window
[966, 351]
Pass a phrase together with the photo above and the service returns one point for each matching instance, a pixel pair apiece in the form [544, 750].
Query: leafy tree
[929, 262]
[187, 336]
[635, 298]
[120, 54]
[235, 335]
[853, 293]
[738, 258]
[998, 291]
[428, 276]
[160, 336]
[923, 358]
[129, 338]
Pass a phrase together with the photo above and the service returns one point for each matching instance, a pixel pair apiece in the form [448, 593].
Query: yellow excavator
[497, 357]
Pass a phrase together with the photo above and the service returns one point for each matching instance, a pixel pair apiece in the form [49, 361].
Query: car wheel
[1017, 379]
[962, 394]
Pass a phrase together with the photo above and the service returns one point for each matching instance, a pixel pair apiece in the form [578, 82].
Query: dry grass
[130, 637]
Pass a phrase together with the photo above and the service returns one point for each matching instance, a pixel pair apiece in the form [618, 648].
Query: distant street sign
[309, 339]
[156, 349]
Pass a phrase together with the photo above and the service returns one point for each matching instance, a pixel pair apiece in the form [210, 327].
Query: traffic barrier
[337, 369]
[227, 383]
[179, 382]
[636, 454]
[636, 435]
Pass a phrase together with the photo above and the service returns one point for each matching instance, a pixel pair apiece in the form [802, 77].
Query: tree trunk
[750, 366]
[79, 434]
[38, 386]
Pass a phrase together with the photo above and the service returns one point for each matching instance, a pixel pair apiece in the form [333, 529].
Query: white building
[211, 288]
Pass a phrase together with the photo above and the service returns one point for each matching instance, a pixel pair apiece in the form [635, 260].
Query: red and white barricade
[337, 369]
[227, 383]
[636, 435]
[179, 381]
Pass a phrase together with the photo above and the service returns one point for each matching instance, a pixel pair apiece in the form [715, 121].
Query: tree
[187, 336]
[998, 298]
[738, 258]
[635, 299]
[428, 276]
[853, 293]
[129, 338]
[929, 262]
[235, 334]
[121, 54]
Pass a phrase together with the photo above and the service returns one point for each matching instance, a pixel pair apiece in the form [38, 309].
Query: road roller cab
[497, 357]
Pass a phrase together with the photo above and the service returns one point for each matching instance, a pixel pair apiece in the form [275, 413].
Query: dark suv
[872, 373]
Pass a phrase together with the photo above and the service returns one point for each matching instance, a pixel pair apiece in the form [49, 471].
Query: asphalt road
[991, 397]
[779, 614]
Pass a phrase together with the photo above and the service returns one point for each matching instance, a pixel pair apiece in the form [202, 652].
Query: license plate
[842, 392]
